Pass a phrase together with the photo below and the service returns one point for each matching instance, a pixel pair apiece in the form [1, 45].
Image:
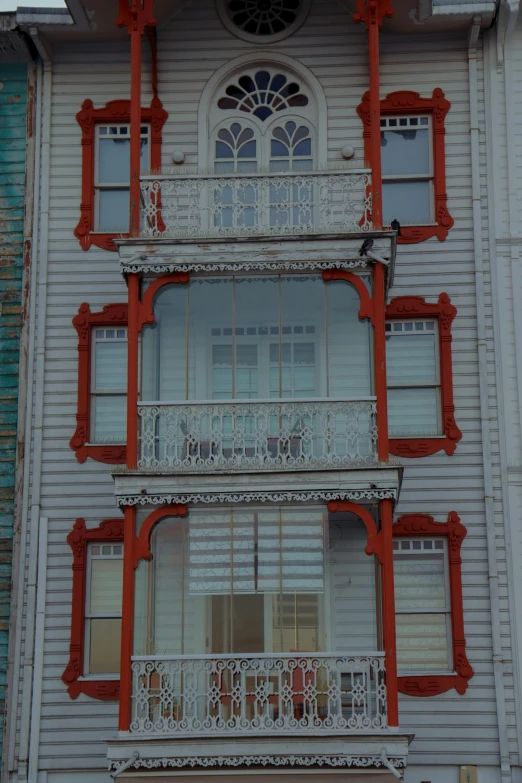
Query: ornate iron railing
[201, 205]
[259, 694]
[248, 434]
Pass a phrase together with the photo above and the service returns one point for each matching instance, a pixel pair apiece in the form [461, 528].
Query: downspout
[485, 413]
[38, 340]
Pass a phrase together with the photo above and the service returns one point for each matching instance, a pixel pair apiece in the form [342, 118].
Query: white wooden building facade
[209, 580]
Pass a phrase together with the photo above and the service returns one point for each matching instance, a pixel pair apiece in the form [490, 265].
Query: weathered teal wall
[13, 109]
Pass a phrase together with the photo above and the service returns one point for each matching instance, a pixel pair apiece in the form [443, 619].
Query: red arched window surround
[408, 102]
[427, 684]
[83, 322]
[108, 530]
[113, 111]
[403, 307]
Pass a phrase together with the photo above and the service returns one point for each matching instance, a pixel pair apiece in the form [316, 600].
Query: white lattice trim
[153, 266]
[260, 761]
[257, 497]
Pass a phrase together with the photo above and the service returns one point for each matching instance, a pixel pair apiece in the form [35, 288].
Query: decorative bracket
[374, 539]
[373, 11]
[366, 309]
[146, 306]
[142, 543]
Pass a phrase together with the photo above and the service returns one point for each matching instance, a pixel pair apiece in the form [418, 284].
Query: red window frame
[402, 308]
[104, 690]
[415, 525]
[409, 102]
[87, 119]
[83, 322]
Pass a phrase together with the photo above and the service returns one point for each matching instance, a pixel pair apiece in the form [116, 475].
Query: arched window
[262, 119]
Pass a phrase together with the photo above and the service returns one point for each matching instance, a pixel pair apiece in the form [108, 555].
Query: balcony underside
[138, 488]
[255, 758]
[292, 253]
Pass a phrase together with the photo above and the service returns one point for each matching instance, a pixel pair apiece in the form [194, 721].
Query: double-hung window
[112, 174]
[407, 169]
[103, 608]
[422, 604]
[109, 385]
[413, 373]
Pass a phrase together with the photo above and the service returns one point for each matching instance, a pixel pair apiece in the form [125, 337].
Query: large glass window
[254, 580]
[422, 604]
[109, 385]
[412, 366]
[112, 174]
[407, 169]
[103, 608]
[270, 337]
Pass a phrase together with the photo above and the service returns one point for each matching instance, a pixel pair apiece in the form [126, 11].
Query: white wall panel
[462, 729]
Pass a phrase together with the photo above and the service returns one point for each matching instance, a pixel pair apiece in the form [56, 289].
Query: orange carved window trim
[414, 525]
[87, 118]
[78, 539]
[408, 102]
[403, 307]
[83, 322]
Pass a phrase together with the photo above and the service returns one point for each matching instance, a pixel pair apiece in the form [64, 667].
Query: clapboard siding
[459, 729]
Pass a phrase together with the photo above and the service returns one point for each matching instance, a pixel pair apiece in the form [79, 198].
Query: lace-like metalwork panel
[259, 694]
[256, 205]
[240, 435]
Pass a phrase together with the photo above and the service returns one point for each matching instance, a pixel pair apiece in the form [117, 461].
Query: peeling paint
[14, 257]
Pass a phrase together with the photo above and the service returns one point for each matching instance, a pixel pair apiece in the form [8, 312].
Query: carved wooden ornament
[411, 525]
[105, 690]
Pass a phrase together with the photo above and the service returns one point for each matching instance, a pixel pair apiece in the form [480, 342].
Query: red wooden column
[127, 619]
[379, 353]
[136, 15]
[132, 371]
[372, 12]
[388, 612]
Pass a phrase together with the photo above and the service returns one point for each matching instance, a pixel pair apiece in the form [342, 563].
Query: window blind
[422, 606]
[106, 586]
[110, 366]
[256, 551]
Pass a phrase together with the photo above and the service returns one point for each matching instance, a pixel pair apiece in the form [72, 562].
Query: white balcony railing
[202, 205]
[258, 694]
[257, 435]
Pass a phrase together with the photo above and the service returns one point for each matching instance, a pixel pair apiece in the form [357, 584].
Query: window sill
[412, 234]
[423, 685]
[111, 454]
[427, 445]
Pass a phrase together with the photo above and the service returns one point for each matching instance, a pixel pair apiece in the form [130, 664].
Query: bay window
[256, 580]
[266, 337]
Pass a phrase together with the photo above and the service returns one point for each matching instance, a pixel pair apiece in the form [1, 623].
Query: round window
[261, 21]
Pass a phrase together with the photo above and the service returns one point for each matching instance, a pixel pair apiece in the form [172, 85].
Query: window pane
[144, 156]
[407, 202]
[210, 308]
[413, 412]
[113, 210]
[104, 651]
[422, 642]
[420, 581]
[114, 161]
[110, 366]
[164, 348]
[110, 418]
[106, 586]
[349, 344]
[405, 152]
[411, 358]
